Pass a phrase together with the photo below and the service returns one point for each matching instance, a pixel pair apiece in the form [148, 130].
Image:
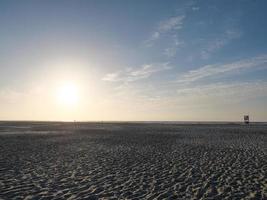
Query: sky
[140, 60]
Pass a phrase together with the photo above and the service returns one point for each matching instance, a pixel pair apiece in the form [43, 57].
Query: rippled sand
[132, 161]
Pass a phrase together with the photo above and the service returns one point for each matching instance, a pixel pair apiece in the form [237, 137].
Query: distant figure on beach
[246, 119]
[75, 124]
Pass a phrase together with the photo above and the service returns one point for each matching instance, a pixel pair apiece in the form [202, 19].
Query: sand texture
[132, 161]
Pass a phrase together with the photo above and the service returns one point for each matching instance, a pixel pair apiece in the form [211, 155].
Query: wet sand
[132, 161]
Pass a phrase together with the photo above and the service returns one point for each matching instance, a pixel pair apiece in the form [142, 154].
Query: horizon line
[134, 121]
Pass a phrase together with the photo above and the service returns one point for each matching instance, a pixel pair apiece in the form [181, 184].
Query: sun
[68, 94]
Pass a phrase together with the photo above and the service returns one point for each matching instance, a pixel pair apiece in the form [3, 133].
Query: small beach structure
[246, 119]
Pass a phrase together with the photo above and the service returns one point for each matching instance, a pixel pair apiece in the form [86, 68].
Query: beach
[67, 160]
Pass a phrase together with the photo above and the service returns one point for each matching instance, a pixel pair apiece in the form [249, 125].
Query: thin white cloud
[221, 94]
[210, 95]
[172, 49]
[113, 77]
[214, 70]
[217, 96]
[155, 36]
[170, 52]
[166, 26]
[217, 43]
[130, 75]
[236, 89]
[195, 8]
[173, 23]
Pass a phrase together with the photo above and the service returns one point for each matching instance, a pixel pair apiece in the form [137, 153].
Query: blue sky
[134, 60]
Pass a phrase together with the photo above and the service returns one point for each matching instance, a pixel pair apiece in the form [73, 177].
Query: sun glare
[67, 94]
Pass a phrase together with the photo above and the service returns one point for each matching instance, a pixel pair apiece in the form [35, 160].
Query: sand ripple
[134, 161]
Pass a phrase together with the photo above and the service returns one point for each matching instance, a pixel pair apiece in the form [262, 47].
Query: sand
[41, 160]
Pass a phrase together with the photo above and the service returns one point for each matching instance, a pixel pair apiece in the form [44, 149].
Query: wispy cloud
[191, 98]
[236, 89]
[214, 70]
[221, 95]
[171, 24]
[219, 42]
[172, 49]
[130, 75]
[206, 96]
[170, 52]
[195, 8]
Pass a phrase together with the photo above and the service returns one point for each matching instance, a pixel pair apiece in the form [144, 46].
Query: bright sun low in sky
[68, 94]
[123, 60]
